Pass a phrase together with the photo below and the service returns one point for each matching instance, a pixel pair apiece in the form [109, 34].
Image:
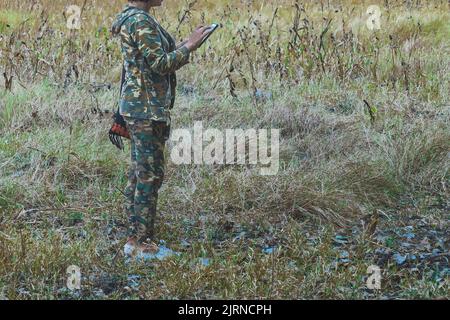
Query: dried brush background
[364, 118]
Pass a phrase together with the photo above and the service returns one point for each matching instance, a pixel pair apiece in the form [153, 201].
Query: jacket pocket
[158, 89]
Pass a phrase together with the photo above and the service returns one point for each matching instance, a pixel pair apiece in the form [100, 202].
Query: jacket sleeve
[149, 43]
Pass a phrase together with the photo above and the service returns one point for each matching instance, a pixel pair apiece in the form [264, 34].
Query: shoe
[146, 251]
[133, 248]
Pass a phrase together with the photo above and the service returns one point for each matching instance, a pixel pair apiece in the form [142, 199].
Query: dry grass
[301, 66]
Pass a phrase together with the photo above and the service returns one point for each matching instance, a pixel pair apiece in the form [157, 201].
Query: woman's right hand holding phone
[195, 39]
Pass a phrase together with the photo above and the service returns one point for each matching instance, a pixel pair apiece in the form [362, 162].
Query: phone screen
[212, 28]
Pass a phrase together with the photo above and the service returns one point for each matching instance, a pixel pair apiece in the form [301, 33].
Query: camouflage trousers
[145, 175]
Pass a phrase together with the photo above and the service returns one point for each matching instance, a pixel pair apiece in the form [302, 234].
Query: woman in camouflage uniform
[151, 58]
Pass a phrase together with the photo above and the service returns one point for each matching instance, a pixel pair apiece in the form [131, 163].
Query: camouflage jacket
[150, 61]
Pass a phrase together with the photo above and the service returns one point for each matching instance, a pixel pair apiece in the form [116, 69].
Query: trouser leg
[131, 185]
[149, 140]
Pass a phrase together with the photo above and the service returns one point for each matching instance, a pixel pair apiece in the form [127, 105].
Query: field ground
[359, 184]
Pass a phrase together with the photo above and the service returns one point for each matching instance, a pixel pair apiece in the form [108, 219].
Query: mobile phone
[212, 28]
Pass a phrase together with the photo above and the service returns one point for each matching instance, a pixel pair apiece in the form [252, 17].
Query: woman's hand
[196, 38]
